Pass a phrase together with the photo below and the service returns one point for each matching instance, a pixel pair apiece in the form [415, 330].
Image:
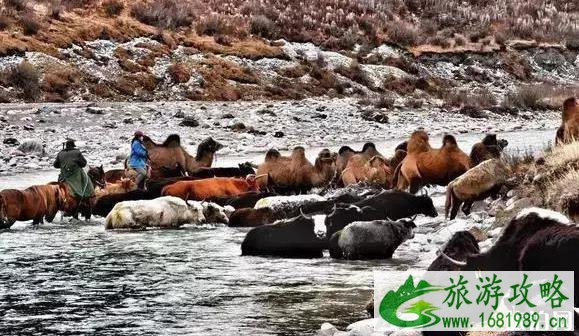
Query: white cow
[163, 212]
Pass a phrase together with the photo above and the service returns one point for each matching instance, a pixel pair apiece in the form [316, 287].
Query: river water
[75, 278]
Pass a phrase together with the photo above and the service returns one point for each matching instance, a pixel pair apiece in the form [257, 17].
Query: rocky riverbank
[32, 134]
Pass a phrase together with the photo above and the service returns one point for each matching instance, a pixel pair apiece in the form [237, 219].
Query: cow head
[408, 227]
[319, 222]
[214, 213]
[196, 211]
[425, 206]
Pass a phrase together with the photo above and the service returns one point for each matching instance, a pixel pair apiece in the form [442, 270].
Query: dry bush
[30, 22]
[261, 25]
[403, 33]
[113, 8]
[293, 72]
[480, 99]
[4, 21]
[402, 85]
[54, 9]
[59, 81]
[16, 4]
[163, 13]
[26, 77]
[213, 25]
[528, 96]
[179, 72]
[384, 101]
[223, 40]
[355, 73]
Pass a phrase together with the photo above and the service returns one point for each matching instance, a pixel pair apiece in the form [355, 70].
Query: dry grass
[59, 82]
[113, 8]
[480, 99]
[164, 13]
[24, 76]
[179, 72]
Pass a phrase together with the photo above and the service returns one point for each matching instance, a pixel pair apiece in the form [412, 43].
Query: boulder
[32, 147]
[189, 121]
[375, 115]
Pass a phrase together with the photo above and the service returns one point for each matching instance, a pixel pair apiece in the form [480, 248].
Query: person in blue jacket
[139, 159]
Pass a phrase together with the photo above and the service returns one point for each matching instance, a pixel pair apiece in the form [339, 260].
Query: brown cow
[295, 172]
[425, 165]
[36, 203]
[569, 129]
[212, 187]
[171, 155]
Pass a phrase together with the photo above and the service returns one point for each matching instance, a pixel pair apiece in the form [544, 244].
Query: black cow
[243, 170]
[298, 237]
[105, 204]
[249, 217]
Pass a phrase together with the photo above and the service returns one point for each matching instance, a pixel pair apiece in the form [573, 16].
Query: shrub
[4, 21]
[16, 4]
[163, 13]
[54, 9]
[30, 23]
[262, 26]
[26, 77]
[402, 85]
[479, 99]
[213, 25]
[224, 40]
[59, 81]
[403, 33]
[179, 72]
[527, 96]
[113, 7]
[354, 72]
[384, 101]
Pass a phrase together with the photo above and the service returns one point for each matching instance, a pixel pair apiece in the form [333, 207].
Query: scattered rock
[227, 116]
[10, 141]
[189, 121]
[127, 120]
[47, 110]
[179, 114]
[266, 111]
[473, 112]
[28, 127]
[327, 329]
[239, 127]
[375, 115]
[110, 125]
[319, 116]
[32, 147]
[321, 108]
[278, 134]
[95, 110]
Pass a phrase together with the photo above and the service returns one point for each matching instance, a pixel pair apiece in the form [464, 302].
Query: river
[75, 278]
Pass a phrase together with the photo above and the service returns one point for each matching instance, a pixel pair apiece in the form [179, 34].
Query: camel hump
[172, 140]
[272, 154]
[569, 108]
[345, 149]
[449, 140]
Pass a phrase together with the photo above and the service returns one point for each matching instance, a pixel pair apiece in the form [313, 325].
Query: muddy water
[73, 278]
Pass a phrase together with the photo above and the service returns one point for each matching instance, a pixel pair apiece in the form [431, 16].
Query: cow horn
[304, 215]
[414, 218]
[456, 262]
[260, 176]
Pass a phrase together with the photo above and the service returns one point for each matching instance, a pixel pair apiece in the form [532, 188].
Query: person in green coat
[71, 163]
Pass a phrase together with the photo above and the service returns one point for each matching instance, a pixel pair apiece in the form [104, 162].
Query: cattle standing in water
[164, 212]
[478, 183]
[461, 245]
[212, 187]
[425, 165]
[36, 203]
[299, 237]
[295, 173]
[370, 240]
[489, 148]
